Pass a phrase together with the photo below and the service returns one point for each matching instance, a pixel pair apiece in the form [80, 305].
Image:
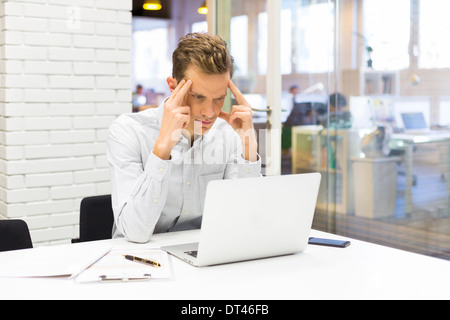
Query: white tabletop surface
[360, 271]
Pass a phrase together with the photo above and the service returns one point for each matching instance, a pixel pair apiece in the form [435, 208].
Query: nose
[208, 110]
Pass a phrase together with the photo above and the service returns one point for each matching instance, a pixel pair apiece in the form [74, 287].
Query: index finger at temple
[237, 94]
[179, 95]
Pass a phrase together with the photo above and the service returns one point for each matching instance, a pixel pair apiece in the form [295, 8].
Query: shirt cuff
[250, 168]
[158, 168]
[248, 161]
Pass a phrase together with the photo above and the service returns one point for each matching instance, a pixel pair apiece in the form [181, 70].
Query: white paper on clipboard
[49, 261]
[114, 267]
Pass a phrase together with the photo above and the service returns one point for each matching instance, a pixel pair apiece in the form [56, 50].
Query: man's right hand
[176, 117]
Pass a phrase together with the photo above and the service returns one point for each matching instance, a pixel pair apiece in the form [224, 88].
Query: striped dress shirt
[151, 195]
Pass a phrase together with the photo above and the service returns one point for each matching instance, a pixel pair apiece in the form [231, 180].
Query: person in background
[339, 116]
[300, 114]
[139, 98]
[294, 90]
[337, 102]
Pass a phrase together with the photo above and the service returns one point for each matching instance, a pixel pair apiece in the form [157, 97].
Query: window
[239, 44]
[434, 27]
[313, 22]
[387, 32]
[201, 26]
[286, 42]
[151, 61]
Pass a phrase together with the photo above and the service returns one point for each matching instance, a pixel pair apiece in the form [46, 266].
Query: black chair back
[96, 218]
[14, 235]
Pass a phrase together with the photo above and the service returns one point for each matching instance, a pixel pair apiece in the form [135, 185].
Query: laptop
[252, 218]
[414, 122]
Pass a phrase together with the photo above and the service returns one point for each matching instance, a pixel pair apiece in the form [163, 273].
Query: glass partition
[365, 104]
[395, 96]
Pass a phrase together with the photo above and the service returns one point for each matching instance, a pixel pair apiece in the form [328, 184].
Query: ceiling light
[203, 9]
[152, 5]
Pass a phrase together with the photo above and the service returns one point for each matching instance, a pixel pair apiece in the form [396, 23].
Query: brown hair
[205, 51]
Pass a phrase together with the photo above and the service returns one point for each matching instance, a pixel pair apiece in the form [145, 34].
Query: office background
[68, 68]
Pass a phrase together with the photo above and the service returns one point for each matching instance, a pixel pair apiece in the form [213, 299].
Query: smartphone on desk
[329, 242]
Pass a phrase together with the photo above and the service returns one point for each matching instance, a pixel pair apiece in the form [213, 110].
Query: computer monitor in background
[409, 105]
[413, 121]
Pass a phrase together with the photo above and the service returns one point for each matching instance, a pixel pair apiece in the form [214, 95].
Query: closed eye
[197, 96]
[200, 97]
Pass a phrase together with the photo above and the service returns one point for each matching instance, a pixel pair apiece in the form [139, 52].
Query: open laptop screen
[414, 120]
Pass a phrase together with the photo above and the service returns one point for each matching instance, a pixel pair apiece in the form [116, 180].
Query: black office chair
[14, 235]
[96, 218]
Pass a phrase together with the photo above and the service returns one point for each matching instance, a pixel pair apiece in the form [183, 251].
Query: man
[138, 99]
[162, 159]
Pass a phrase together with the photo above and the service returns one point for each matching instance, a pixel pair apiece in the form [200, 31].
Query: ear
[172, 82]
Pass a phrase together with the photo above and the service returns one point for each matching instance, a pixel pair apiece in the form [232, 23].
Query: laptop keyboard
[192, 253]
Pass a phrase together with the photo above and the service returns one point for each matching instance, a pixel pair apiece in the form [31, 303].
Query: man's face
[205, 98]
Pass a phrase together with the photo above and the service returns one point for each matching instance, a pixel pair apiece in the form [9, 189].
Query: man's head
[294, 89]
[205, 60]
[337, 101]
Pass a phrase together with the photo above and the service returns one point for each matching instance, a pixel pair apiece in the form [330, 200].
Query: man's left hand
[240, 118]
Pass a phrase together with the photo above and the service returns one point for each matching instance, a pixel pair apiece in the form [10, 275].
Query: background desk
[407, 142]
[361, 271]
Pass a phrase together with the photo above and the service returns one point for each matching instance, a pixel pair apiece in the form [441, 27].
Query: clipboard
[113, 267]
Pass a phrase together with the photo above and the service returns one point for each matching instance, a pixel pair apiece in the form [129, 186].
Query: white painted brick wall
[65, 70]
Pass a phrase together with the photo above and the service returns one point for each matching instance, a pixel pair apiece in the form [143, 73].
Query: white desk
[360, 271]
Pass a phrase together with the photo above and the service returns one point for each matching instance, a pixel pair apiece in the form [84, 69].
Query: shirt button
[161, 169]
[188, 183]
[186, 211]
[248, 170]
[155, 200]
